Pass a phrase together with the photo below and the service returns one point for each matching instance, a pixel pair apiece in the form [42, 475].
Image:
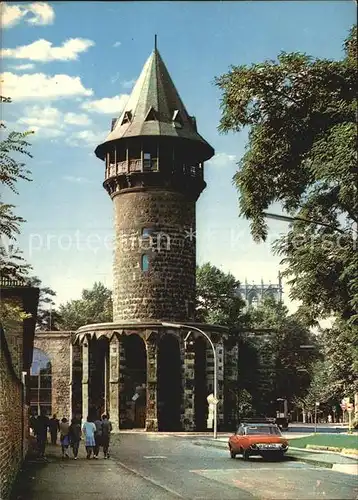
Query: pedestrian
[89, 430]
[75, 436]
[54, 428]
[97, 437]
[64, 437]
[106, 434]
[41, 427]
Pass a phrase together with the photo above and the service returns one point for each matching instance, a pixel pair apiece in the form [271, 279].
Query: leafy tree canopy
[14, 146]
[95, 306]
[284, 361]
[301, 113]
[217, 299]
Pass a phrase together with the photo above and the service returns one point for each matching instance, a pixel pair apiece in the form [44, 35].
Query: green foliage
[302, 113]
[217, 298]
[95, 306]
[48, 318]
[11, 170]
[284, 366]
[13, 265]
[11, 314]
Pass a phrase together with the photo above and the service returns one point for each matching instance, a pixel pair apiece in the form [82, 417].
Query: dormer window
[113, 124]
[177, 119]
[151, 115]
[127, 117]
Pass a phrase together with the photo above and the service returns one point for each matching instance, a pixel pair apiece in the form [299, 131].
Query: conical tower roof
[155, 108]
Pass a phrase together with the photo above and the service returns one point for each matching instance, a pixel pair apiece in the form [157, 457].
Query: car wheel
[232, 453]
[245, 454]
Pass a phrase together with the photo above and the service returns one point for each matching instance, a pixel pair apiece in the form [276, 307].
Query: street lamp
[178, 325]
[286, 218]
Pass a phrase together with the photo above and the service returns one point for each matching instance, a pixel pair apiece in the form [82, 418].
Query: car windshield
[264, 429]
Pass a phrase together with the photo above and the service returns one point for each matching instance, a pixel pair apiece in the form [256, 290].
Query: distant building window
[40, 382]
[145, 262]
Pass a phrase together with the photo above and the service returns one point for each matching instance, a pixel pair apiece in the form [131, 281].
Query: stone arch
[169, 383]
[135, 380]
[200, 384]
[40, 382]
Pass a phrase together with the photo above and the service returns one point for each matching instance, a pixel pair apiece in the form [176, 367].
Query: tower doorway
[169, 384]
[200, 385]
[135, 380]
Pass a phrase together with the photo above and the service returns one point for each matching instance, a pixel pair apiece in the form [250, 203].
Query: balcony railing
[139, 165]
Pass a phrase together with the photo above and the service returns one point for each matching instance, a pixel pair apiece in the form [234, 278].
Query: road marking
[149, 479]
[154, 456]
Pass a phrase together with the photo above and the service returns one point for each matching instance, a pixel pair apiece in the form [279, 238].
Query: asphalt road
[162, 467]
[184, 470]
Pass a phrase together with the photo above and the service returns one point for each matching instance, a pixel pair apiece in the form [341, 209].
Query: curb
[294, 458]
[309, 450]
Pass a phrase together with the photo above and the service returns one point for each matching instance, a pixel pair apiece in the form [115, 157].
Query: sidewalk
[68, 479]
[330, 460]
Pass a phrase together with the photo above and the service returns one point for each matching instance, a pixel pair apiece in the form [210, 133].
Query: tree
[217, 300]
[283, 364]
[340, 348]
[48, 318]
[95, 306]
[13, 265]
[301, 113]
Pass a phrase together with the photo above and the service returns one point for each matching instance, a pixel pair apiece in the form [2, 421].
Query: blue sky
[69, 66]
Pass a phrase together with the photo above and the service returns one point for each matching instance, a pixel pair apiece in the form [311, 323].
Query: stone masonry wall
[167, 290]
[11, 418]
[57, 346]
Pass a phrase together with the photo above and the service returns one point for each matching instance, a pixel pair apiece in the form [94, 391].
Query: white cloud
[51, 122]
[222, 159]
[23, 67]
[107, 105]
[42, 50]
[77, 119]
[46, 133]
[40, 13]
[36, 116]
[40, 86]
[80, 180]
[117, 44]
[84, 138]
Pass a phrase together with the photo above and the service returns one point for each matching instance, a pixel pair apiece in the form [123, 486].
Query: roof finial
[155, 42]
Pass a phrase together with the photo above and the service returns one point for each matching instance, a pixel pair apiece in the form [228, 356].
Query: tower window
[151, 115]
[127, 117]
[177, 119]
[147, 231]
[145, 262]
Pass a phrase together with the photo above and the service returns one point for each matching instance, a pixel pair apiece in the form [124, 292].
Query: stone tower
[154, 161]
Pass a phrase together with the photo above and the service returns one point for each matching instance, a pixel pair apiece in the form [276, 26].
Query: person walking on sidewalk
[41, 426]
[64, 437]
[89, 430]
[75, 436]
[106, 434]
[98, 436]
[54, 428]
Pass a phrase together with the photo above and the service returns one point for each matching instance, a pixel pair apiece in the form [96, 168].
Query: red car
[258, 439]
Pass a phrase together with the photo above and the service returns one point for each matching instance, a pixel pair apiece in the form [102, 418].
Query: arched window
[40, 382]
